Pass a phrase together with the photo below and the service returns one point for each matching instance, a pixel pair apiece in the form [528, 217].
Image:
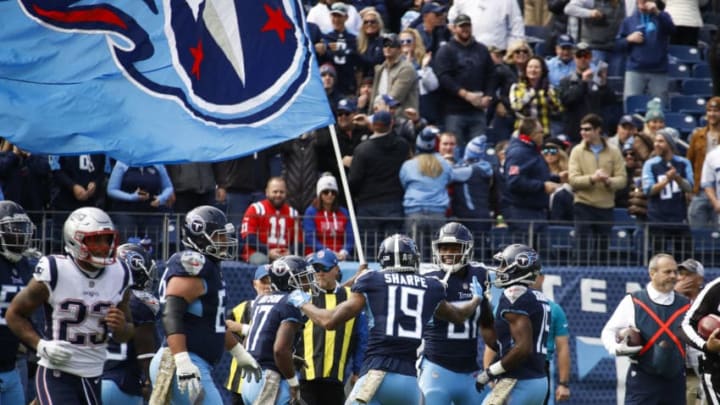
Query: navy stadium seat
[701, 71]
[679, 70]
[684, 123]
[697, 87]
[687, 104]
[637, 103]
[685, 53]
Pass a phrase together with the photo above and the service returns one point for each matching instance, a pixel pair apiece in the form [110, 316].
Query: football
[708, 324]
[635, 338]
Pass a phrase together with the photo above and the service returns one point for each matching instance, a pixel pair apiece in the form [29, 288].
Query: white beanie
[326, 182]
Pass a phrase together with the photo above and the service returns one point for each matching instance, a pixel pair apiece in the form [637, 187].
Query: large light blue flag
[157, 81]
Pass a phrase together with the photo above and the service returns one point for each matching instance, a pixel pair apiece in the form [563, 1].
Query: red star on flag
[198, 55]
[276, 22]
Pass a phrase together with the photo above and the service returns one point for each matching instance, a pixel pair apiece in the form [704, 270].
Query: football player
[274, 331]
[126, 380]
[522, 322]
[192, 294]
[16, 230]
[87, 295]
[449, 361]
[400, 302]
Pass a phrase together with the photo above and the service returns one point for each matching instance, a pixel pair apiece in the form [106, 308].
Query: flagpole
[348, 197]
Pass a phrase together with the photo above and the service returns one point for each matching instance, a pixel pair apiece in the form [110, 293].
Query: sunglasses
[525, 51]
[320, 268]
[370, 22]
[406, 41]
[629, 154]
[549, 151]
[583, 55]
[586, 129]
[333, 192]
[343, 113]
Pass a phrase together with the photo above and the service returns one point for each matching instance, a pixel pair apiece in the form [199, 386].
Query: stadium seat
[499, 238]
[536, 33]
[706, 246]
[625, 243]
[687, 104]
[559, 242]
[678, 70]
[697, 87]
[684, 123]
[685, 54]
[701, 71]
[637, 104]
[622, 217]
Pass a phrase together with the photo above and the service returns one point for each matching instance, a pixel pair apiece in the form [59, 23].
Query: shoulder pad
[192, 262]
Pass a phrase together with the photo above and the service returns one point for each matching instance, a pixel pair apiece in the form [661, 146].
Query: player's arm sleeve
[704, 304]
[361, 329]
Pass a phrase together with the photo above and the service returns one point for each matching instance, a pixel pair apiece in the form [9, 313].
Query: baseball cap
[262, 271]
[693, 266]
[345, 105]
[582, 48]
[462, 19]
[627, 119]
[382, 117]
[323, 260]
[390, 101]
[476, 148]
[339, 8]
[392, 40]
[565, 40]
[432, 8]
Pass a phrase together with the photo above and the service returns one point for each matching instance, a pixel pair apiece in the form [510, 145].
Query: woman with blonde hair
[517, 56]
[425, 179]
[413, 49]
[369, 41]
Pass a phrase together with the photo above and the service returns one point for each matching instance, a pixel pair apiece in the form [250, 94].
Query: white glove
[623, 349]
[476, 288]
[482, 379]
[188, 376]
[298, 298]
[246, 362]
[56, 352]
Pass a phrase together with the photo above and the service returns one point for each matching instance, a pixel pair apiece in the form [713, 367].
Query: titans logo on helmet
[227, 62]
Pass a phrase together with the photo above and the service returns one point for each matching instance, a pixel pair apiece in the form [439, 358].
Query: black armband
[173, 313]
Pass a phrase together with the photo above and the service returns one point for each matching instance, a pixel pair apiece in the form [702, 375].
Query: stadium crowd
[511, 118]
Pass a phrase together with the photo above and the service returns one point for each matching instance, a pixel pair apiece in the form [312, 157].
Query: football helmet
[16, 230]
[207, 230]
[457, 234]
[398, 253]
[140, 264]
[90, 237]
[519, 264]
[292, 272]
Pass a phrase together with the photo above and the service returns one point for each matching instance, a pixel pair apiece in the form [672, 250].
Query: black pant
[322, 392]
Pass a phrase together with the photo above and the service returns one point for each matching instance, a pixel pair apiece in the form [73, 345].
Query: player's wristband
[496, 368]
[564, 384]
[293, 382]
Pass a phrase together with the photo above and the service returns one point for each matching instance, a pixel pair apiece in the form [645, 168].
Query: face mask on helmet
[90, 237]
[293, 272]
[398, 253]
[15, 235]
[519, 264]
[207, 231]
[141, 266]
[453, 248]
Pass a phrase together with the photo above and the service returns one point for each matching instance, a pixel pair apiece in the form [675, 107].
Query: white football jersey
[78, 305]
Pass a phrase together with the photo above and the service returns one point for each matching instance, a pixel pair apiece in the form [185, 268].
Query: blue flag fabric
[157, 81]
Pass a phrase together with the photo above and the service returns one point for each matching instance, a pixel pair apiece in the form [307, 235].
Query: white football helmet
[90, 236]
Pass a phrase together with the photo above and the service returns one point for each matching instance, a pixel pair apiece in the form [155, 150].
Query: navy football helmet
[16, 230]
[140, 264]
[292, 272]
[208, 231]
[453, 233]
[519, 264]
[398, 253]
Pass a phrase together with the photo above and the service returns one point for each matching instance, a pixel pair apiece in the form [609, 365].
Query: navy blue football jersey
[122, 365]
[13, 277]
[670, 204]
[205, 317]
[454, 346]
[269, 312]
[399, 306]
[533, 304]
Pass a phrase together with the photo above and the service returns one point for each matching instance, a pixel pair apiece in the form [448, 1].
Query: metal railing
[628, 244]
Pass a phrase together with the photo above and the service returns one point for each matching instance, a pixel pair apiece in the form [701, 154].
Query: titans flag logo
[202, 54]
